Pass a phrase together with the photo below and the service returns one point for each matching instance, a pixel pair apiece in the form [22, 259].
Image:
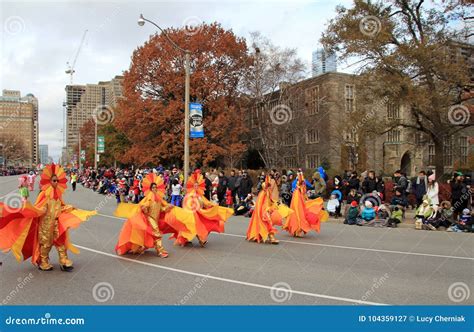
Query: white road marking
[14, 190]
[339, 247]
[232, 281]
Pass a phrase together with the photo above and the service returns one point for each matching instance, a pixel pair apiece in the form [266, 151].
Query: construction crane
[70, 68]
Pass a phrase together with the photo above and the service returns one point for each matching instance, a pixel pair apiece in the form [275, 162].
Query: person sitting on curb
[382, 215]
[464, 224]
[332, 205]
[396, 218]
[352, 214]
[368, 215]
[423, 212]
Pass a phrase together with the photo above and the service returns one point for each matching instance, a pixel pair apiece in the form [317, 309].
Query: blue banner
[236, 318]
[195, 119]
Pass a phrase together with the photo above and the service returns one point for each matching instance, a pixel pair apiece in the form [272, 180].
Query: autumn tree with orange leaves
[151, 114]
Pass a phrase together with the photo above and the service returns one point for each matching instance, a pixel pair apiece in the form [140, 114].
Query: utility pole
[79, 154]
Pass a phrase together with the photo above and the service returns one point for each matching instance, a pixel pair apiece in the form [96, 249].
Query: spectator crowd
[360, 199]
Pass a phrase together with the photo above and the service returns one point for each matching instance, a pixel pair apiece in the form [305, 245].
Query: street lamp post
[3, 155]
[141, 22]
[95, 145]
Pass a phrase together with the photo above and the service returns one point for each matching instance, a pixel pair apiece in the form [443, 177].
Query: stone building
[316, 122]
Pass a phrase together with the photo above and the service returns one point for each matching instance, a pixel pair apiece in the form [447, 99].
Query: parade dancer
[150, 219]
[31, 231]
[207, 216]
[31, 181]
[308, 214]
[23, 188]
[267, 213]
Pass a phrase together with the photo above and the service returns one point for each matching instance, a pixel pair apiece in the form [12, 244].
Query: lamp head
[141, 20]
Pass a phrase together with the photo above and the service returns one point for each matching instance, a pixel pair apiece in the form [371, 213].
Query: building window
[431, 154]
[313, 100]
[393, 136]
[463, 145]
[349, 96]
[289, 139]
[312, 136]
[290, 162]
[312, 161]
[393, 111]
[448, 151]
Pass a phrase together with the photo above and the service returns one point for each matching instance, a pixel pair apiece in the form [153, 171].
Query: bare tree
[272, 99]
[14, 150]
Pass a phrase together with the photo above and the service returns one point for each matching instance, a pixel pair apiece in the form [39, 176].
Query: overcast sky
[39, 37]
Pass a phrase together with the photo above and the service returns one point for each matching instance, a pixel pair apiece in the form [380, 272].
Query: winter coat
[368, 214]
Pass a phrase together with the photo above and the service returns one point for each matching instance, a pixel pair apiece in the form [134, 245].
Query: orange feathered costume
[308, 214]
[267, 213]
[207, 216]
[149, 219]
[31, 231]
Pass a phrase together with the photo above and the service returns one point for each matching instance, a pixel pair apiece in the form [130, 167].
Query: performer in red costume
[31, 231]
[207, 216]
[268, 212]
[308, 214]
[149, 220]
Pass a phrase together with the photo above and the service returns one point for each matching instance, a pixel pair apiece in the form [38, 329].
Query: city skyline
[113, 34]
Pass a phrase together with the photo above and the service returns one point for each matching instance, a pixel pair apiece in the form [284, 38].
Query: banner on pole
[196, 122]
[100, 144]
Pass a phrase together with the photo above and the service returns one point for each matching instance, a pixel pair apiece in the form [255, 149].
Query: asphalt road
[341, 265]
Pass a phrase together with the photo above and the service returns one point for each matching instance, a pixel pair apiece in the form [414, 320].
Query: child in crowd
[337, 191]
[176, 188]
[228, 198]
[396, 217]
[245, 206]
[464, 223]
[352, 196]
[332, 205]
[382, 215]
[367, 216]
[423, 212]
[352, 214]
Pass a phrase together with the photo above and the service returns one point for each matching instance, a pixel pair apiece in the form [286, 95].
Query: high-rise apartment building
[19, 128]
[82, 101]
[323, 62]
